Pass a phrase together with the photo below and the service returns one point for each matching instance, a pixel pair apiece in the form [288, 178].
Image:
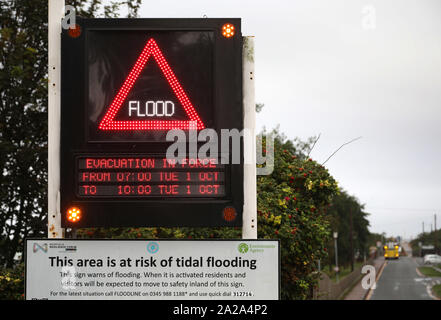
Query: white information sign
[152, 269]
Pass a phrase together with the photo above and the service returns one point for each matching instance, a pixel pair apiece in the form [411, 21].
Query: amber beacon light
[228, 30]
[73, 214]
[74, 32]
[229, 214]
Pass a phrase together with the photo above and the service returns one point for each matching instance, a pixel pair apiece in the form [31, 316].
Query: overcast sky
[345, 69]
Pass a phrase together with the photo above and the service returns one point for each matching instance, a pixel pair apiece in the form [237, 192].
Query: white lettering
[132, 107]
[152, 108]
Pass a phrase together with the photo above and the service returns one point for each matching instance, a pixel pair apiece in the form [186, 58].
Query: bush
[12, 283]
[292, 204]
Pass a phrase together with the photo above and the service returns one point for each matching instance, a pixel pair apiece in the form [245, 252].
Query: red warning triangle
[151, 49]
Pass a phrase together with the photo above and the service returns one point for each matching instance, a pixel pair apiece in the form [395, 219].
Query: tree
[292, 204]
[339, 214]
[426, 238]
[23, 115]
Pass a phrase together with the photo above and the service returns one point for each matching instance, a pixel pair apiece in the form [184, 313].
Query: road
[401, 281]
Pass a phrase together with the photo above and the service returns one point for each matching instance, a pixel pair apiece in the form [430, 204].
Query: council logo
[152, 247]
[37, 247]
[243, 248]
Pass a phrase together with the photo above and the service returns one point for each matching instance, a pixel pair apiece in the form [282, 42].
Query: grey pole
[434, 235]
[336, 256]
[249, 225]
[55, 14]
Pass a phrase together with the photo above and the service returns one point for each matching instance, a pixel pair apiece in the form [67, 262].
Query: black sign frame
[141, 211]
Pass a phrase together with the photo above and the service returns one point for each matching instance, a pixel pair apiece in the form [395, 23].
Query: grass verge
[350, 288]
[344, 271]
[429, 272]
[437, 290]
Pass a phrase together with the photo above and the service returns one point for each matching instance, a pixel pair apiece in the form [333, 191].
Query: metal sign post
[56, 12]
[249, 227]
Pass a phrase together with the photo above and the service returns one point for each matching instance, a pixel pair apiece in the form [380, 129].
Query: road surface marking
[429, 291]
[428, 285]
[419, 273]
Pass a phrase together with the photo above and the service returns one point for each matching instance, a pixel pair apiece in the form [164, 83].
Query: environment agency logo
[152, 247]
[243, 248]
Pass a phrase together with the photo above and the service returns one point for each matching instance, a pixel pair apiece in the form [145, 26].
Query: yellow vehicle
[391, 251]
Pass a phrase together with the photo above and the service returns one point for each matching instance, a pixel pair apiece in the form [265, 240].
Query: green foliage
[259, 107]
[292, 202]
[159, 233]
[12, 283]
[342, 273]
[427, 238]
[340, 217]
[23, 115]
[23, 123]
[373, 238]
[429, 272]
[437, 290]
